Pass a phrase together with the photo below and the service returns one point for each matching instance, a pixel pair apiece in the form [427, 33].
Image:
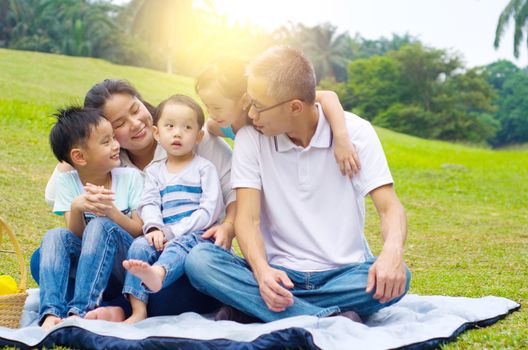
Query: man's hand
[223, 234]
[272, 283]
[156, 238]
[387, 276]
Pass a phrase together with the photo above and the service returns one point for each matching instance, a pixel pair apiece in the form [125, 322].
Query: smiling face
[101, 149]
[131, 121]
[223, 110]
[177, 130]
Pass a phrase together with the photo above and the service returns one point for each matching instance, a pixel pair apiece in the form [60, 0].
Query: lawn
[466, 206]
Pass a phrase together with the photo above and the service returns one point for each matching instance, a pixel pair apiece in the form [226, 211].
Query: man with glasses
[299, 223]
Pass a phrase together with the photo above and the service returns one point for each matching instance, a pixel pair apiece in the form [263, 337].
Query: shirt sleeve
[149, 207]
[374, 167]
[209, 209]
[51, 189]
[135, 190]
[217, 151]
[65, 193]
[245, 171]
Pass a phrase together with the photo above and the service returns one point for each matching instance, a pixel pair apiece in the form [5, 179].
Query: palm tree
[518, 11]
[329, 52]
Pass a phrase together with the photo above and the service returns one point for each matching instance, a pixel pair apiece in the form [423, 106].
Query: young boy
[98, 201]
[181, 199]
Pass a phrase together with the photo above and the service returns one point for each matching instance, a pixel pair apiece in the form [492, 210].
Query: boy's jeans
[172, 259]
[74, 273]
[228, 278]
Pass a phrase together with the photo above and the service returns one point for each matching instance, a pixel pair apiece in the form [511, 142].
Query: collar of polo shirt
[322, 138]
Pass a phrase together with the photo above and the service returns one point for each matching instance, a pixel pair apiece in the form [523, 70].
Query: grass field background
[466, 206]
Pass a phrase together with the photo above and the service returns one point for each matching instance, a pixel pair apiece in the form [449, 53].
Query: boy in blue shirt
[98, 201]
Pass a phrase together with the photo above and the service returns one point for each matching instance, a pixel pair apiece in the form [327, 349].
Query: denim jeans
[74, 273]
[172, 259]
[228, 278]
[175, 299]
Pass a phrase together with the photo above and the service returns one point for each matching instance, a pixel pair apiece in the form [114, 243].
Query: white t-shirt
[312, 217]
[127, 185]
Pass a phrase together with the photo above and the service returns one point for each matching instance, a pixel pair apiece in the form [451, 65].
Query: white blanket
[415, 320]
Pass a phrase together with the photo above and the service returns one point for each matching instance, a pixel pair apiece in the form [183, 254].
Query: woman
[132, 121]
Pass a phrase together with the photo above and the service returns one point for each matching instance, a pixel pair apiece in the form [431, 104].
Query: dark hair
[229, 72]
[73, 127]
[179, 99]
[97, 96]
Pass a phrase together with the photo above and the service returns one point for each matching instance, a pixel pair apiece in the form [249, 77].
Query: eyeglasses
[260, 110]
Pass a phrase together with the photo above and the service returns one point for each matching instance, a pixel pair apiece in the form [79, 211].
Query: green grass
[466, 207]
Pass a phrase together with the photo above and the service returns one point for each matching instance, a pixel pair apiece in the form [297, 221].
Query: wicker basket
[11, 305]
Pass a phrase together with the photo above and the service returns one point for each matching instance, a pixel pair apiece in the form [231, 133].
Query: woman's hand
[222, 234]
[346, 156]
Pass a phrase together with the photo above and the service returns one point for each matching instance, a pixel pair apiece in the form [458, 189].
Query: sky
[463, 26]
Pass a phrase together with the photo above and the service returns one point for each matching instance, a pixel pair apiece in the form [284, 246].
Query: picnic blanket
[416, 322]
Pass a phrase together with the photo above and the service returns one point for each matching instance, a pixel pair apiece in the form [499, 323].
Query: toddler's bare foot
[50, 321]
[151, 276]
[107, 313]
[136, 317]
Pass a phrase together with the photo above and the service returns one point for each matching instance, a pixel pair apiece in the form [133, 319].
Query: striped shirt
[183, 202]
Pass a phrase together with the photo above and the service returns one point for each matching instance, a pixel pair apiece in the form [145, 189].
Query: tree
[424, 92]
[423, 68]
[516, 10]
[511, 84]
[328, 51]
[464, 110]
[365, 48]
[374, 84]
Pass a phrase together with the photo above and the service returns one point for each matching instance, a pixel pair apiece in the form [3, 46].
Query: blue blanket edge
[437, 342]
[77, 337]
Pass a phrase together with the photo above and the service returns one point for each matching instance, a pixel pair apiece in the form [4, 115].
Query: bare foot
[151, 276]
[136, 317]
[107, 313]
[50, 321]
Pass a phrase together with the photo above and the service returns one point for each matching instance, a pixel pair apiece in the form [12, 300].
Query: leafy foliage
[511, 84]
[516, 10]
[423, 92]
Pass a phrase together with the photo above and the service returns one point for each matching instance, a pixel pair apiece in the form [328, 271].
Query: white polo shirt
[312, 217]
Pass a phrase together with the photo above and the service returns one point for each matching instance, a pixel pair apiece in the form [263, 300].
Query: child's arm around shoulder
[345, 152]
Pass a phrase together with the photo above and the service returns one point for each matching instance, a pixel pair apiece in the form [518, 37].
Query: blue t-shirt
[127, 185]
[228, 132]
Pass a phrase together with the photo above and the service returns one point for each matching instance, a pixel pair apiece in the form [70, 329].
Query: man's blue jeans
[228, 278]
[172, 259]
[74, 273]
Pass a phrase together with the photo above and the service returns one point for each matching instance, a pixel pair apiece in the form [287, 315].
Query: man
[299, 222]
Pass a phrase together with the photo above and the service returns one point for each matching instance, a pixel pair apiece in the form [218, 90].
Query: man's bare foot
[50, 321]
[151, 276]
[136, 317]
[107, 313]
